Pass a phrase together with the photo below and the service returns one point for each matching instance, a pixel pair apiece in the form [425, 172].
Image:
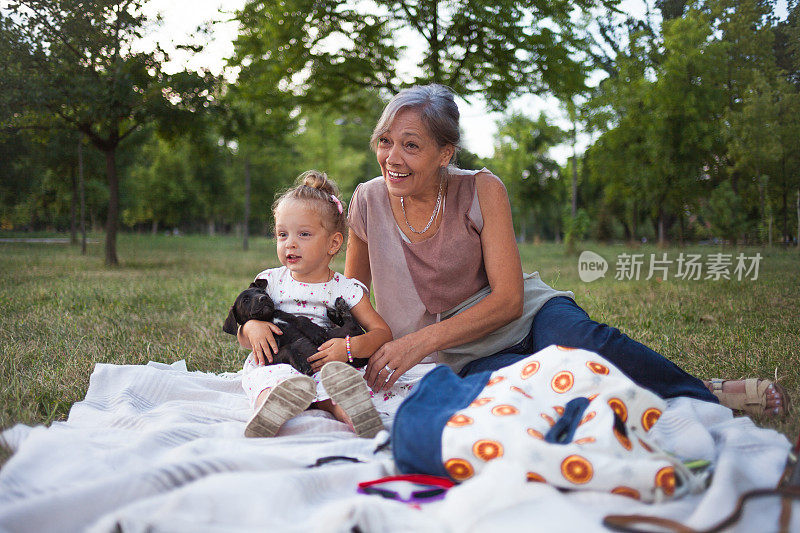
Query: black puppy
[301, 337]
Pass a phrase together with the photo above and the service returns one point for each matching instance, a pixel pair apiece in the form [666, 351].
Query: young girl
[310, 225]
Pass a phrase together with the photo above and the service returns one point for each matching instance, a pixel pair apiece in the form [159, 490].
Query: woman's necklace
[433, 216]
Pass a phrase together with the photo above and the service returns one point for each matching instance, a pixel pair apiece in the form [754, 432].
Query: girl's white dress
[305, 299]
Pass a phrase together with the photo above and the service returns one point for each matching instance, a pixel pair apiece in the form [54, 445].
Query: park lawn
[63, 312]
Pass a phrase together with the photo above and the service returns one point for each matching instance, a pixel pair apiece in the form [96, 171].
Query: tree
[335, 139]
[664, 112]
[787, 173]
[621, 160]
[72, 64]
[532, 178]
[725, 212]
[686, 104]
[323, 49]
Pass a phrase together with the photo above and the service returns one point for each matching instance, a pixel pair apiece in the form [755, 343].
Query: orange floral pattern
[623, 439]
[480, 401]
[517, 389]
[597, 368]
[577, 469]
[459, 469]
[535, 434]
[533, 476]
[459, 420]
[650, 417]
[563, 381]
[530, 369]
[626, 491]
[665, 480]
[495, 380]
[504, 410]
[619, 407]
[487, 450]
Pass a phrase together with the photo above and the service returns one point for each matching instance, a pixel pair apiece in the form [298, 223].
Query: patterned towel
[565, 417]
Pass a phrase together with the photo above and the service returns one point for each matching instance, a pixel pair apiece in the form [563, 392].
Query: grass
[63, 312]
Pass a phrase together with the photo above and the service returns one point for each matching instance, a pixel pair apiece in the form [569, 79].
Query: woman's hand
[330, 350]
[398, 355]
[261, 338]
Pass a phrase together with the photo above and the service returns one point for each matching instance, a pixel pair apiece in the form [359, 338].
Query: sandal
[753, 401]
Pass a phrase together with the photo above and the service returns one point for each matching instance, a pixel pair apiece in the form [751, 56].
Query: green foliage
[725, 212]
[701, 103]
[575, 227]
[322, 50]
[531, 176]
[709, 94]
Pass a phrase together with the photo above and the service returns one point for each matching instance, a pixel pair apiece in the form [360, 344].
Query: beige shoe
[347, 388]
[286, 400]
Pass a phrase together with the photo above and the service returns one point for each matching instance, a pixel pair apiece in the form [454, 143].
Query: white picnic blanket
[157, 448]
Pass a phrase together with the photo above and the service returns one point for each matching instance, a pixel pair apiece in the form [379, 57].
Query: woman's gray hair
[436, 106]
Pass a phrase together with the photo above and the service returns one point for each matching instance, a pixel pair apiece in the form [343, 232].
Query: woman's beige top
[417, 284]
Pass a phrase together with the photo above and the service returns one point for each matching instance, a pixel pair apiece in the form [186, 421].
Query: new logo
[591, 266]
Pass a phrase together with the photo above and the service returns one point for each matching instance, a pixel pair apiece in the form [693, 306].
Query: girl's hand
[261, 336]
[331, 350]
[400, 355]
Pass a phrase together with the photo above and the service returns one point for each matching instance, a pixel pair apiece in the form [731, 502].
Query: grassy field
[63, 312]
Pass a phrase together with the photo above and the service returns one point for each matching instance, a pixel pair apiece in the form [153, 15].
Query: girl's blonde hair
[322, 194]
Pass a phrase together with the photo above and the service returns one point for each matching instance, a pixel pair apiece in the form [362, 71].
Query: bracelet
[347, 348]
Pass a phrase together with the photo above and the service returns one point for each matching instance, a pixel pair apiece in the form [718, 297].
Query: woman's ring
[389, 370]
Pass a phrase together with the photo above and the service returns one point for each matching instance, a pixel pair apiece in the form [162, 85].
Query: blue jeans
[561, 321]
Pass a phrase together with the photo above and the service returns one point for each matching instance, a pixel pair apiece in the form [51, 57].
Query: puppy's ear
[230, 325]
[261, 283]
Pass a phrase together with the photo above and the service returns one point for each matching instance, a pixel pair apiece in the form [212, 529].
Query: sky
[182, 17]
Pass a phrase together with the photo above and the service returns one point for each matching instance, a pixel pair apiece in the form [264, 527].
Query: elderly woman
[437, 244]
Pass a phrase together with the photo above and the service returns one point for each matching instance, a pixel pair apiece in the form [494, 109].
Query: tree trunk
[154, 227]
[785, 189]
[785, 233]
[770, 231]
[762, 207]
[82, 194]
[246, 229]
[574, 170]
[661, 236]
[798, 219]
[113, 208]
[73, 210]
